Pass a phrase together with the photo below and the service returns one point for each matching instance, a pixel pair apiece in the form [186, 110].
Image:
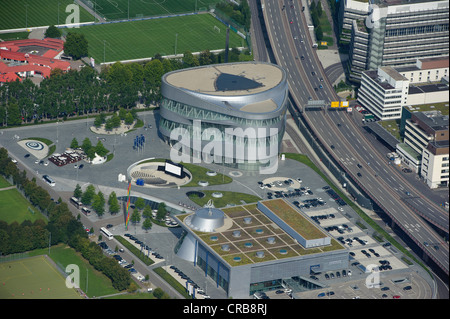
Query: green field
[4, 183]
[124, 9]
[33, 278]
[14, 207]
[142, 39]
[25, 13]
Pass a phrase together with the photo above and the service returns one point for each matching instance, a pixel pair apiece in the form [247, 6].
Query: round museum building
[232, 114]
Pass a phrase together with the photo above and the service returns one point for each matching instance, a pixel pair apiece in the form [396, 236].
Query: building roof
[234, 79]
[435, 123]
[434, 63]
[34, 54]
[9, 77]
[248, 236]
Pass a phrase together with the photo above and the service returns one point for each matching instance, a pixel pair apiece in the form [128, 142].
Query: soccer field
[142, 39]
[25, 14]
[33, 278]
[124, 9]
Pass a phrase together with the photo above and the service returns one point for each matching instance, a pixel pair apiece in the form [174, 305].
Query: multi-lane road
[292, 49]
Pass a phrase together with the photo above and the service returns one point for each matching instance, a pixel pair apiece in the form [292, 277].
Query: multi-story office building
[399, 32]
[384, 92]
[426, 146]
[232, 114]
[435, 164]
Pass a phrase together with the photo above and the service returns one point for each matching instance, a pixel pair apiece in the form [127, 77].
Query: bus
[76, 202]
[106, 233]
[48, 180]
[86, 211]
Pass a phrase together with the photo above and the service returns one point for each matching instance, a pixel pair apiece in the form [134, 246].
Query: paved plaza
[162, 239]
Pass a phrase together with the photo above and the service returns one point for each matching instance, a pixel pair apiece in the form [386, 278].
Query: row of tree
[62, 225]
[316, 13]
[89, 149]
[79, 93]
[237, 12]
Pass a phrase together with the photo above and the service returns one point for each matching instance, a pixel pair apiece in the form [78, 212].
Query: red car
[291, 21]
[396, 297]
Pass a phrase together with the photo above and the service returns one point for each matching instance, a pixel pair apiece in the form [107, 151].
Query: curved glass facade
[247, 140]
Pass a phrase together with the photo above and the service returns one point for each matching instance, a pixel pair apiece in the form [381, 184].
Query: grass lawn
[25, 13]
[122, 9]
[228, 198]
[142, 39]
[4, 183]
[14, 36]
[97, 283]
[33, 278]
[199, 174]
[14, 207]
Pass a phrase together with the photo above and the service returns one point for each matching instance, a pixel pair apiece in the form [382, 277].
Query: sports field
[15, 207]
[25, 13]
[142, 39]
[33, 278]
[124, 9]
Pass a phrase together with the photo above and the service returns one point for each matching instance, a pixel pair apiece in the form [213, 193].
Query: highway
[292, 49]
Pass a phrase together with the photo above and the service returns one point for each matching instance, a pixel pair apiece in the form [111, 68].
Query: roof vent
[271, 240]
[236, 233]
[260, 254]
[225, 247]
[247, 220]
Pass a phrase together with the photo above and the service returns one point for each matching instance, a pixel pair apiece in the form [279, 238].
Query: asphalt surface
[285, 38]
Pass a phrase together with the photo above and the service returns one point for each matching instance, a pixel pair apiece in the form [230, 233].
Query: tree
[319, 9]
[205, 57]
[162, 211]
[98, 203]
[88, 195]
[14, 117]
[319, 33]
[76, 45]
[113, 203]
[119, 74]
[74, 143]
[147, 224]
[52, 32]
[100, 149]
[129, 119]
[87, 145]
[190, 60]
[147, 213]
[77, 193]
[135, 217]
[139, 203]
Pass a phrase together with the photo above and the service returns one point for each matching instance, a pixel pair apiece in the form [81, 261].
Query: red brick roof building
[29, 57]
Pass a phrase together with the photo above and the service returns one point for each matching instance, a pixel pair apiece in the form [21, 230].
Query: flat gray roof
[234, 78]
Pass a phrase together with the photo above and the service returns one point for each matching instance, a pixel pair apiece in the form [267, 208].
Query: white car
[36, 161]
[14, 161]
[46, 164]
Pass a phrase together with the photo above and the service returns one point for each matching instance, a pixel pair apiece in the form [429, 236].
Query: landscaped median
[142, 257]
